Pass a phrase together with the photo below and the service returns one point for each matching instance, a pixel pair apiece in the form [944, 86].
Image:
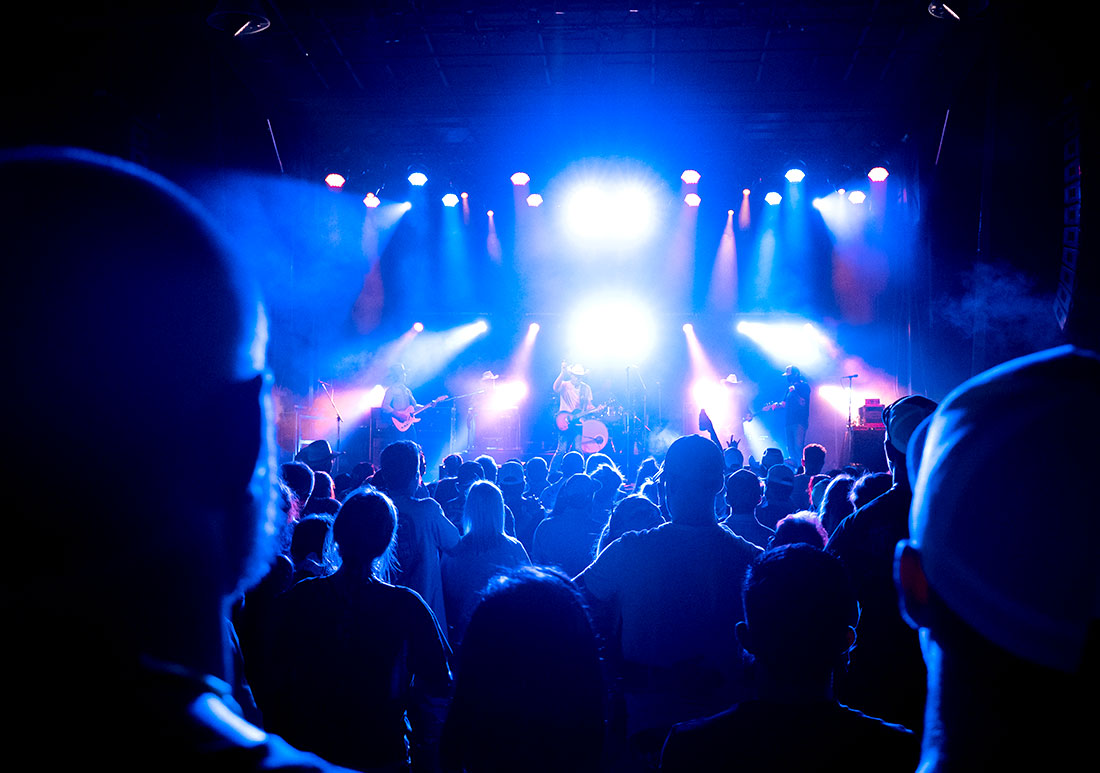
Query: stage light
[481, 326]
[533, 328]
[857, 197]
[507, 394]
[745, 192]
[406, 206]
[465, 195]
[690, 176]
[334, 180]
[418, 327]
[773, 198]
[878, 174]
[489, 213]
[789, 343]
[418, 178]
[520, 178]
[795, 175]
[692, 200]
[622, 214]
[616, 330]
[450, 200]
[371, 200]
[688, 327]
[534, 200]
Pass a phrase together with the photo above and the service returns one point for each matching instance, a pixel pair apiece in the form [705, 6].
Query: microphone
[854, 375]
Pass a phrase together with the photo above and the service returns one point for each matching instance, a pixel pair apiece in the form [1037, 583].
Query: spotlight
[520, 178]
[335, 181]
[692, 199]
[534, 200]
[688, 327]
[795, 175]
[690, 176]
[489, 213]
[418, 327]
[481, 325]
[745, 192]
[418, 178]
[371, 200]
[450, 200]
[878, 175]
[773, 198]
[534, 327]
[857, 197]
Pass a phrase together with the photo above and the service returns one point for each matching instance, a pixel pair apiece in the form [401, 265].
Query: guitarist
[574, 398]
[398, 403]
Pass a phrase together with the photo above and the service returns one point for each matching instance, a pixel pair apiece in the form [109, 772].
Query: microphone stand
[339, 419]
[850, 439]
[454, 417]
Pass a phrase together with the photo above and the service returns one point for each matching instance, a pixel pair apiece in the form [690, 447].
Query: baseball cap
[975, 523]
[902, 416]
[510, 474]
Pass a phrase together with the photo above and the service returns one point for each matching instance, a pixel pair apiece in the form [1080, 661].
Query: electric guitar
[766, 409]
[565, 418]
[406, 418]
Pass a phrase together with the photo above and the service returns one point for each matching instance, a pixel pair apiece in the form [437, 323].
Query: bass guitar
[406, 418]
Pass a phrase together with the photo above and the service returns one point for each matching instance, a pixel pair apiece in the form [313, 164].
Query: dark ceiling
[747, 84]
[480, 87]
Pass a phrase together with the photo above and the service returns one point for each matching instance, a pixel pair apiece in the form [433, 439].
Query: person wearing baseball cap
[886, 675]
[1008, 620]
[675, 589]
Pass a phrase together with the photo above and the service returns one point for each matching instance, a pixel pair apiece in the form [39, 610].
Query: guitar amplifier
[867, 448]
[870, 414]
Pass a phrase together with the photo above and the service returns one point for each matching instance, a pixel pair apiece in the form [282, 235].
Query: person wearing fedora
[574, 400]
[318, 456]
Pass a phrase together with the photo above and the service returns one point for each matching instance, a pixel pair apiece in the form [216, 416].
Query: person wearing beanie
[1009, 622]
[886, 676]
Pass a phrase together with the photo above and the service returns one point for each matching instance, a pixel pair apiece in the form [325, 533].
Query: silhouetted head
[692, 473]
[804, 527]
[400, 463]
[146, 335]
[365, 532]
[813, 458]
[529, 692]
[743, 491]
[800, 611]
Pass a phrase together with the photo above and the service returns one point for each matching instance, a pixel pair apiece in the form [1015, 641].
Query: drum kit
[597, 426]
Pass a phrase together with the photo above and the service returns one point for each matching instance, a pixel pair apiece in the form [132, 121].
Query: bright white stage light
[773, 198]
[857, 197]
[520, 178]
[690, 176]
[789, 343]
[612, 330]
[795, 175]
[371, 200]
[450, 200]
[534, 200]
[878, 174]
[418, 178]
[335, 180]
[607, 205]
[692, 200]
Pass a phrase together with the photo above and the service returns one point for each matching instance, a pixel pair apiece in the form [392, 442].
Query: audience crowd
[700, 612]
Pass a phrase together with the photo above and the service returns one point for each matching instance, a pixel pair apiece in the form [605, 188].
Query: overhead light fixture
[520, 178]
[450, 200]
[238, 17]
[371, 200]
[690, 176]
[418, 178]
[534, 200]
[335, 180]
[878, 174]
[942, 11]
[692, 200]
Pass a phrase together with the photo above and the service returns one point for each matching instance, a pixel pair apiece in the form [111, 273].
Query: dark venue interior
[664, 205]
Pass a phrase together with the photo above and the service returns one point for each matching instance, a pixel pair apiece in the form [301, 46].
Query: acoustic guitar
[406, 418]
